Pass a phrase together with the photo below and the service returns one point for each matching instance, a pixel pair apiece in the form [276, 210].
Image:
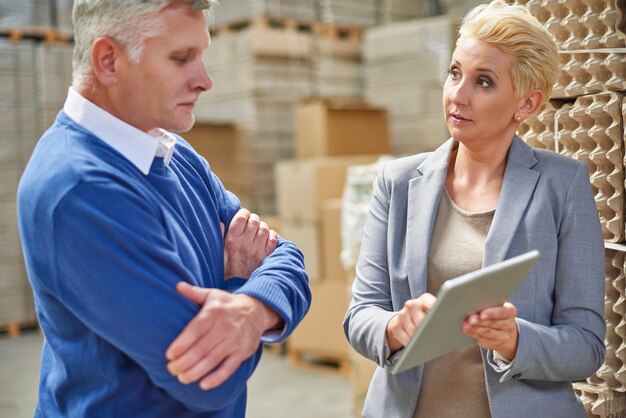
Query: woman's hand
[402, 326]
[495, 329]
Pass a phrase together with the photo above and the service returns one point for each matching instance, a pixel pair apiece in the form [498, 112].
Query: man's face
[161, 90]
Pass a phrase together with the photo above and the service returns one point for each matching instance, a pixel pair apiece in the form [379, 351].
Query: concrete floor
[276, 389]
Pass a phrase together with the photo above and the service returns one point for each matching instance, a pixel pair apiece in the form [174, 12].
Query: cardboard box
[271, 42]
[331, 127]
[215, 140]
[303, 185]
[226, 148]
[307, 237]
[321, 331]
[331, 240]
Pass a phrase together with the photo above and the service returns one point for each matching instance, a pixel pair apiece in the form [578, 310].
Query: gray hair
[128, 22]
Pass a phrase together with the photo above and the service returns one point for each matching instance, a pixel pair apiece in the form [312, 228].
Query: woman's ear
[529, 104]
[104, 53]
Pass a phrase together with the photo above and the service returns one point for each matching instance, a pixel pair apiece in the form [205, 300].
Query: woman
[482, 197]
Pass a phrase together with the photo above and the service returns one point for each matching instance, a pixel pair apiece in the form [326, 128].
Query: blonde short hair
[518, 33]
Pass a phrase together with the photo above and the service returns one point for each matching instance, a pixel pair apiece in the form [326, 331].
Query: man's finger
[194, 330]
[262, 234]
[221, 373]
[238, 224]
[199, 362]
[195, 294]
[272, 242]
[250, 231]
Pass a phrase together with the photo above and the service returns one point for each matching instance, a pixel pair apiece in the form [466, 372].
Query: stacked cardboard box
[259, 75]
[337, 69]
[349, 13]
[331, 127]
[236, 11]
[63, 13]
[53, 76]
[406, 64]
[18, 113]
[399, 10]
[459, 7]
[223, 145]
[25, 14]
[303, 186]
[309, 204]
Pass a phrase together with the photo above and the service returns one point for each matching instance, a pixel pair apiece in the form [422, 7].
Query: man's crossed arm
[228, 328]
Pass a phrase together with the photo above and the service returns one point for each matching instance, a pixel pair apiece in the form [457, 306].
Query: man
[147, 275]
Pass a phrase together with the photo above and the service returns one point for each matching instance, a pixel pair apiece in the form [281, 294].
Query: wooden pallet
[14, 328]
[320, 362]
[45, 34]
[329, 30]
[265, 23]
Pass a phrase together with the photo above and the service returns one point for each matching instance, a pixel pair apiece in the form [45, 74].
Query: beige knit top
[454, 385]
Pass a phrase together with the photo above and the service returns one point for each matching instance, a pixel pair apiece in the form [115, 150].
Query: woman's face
[478, 98]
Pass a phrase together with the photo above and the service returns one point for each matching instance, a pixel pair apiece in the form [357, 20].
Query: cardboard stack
[585, 118]
[331, 136]
[54, 76]
[590, 130]
[63, 11]
[399, 10]
[337, 68]
[223, 145]
[538, 130]
[235, 11]
[459, 7]
[17, 102]
[406, 65]
[25, 14]
[349, 13]
[259, 74]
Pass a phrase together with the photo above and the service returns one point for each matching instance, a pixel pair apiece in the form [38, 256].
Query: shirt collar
[136, 146]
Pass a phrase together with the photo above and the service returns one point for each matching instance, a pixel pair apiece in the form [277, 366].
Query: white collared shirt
[137, 146]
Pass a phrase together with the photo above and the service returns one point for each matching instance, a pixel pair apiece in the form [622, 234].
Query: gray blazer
[546, 203]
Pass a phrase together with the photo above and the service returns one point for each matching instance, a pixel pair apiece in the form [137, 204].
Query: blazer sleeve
[371, 308]
[572, 347]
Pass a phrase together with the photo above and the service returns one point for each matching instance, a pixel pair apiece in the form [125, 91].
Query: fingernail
[172, 370]
[473, 320]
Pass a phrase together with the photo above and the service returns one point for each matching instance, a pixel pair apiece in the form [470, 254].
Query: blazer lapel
[423, 201]
[517, 189]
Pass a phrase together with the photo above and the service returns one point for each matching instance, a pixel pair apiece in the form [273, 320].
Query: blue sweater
[104, 247]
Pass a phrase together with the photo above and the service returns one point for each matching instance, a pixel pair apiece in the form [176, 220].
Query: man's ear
[529, 104]
[104, 54]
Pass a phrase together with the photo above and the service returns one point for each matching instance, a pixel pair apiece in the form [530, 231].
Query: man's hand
[248, 242]
[401, 327]
[495, 329]
[225, 332]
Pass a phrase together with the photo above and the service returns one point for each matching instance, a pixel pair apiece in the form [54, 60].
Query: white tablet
[440, 332]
